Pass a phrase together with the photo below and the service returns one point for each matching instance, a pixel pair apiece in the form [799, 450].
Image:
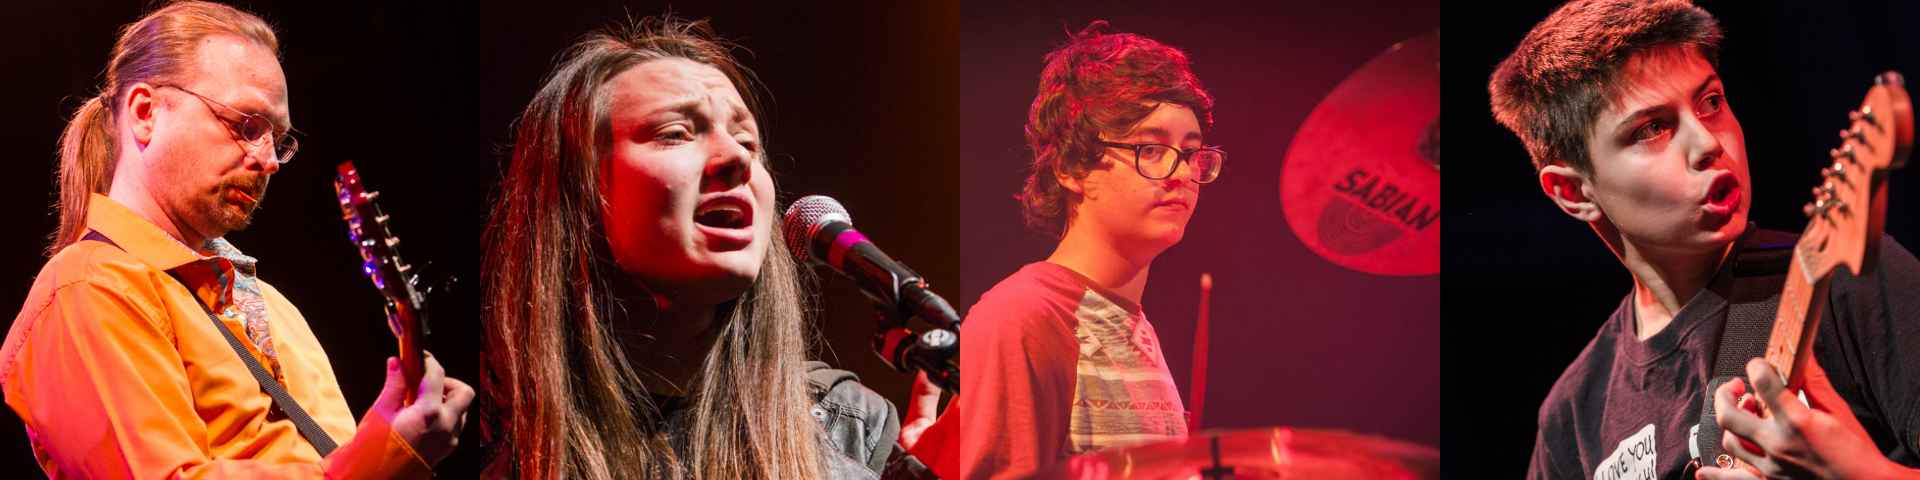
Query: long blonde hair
[564, 400]
[157, 48]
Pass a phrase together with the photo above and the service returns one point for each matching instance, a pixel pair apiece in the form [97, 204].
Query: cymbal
[1361, 182]
[1267, 453]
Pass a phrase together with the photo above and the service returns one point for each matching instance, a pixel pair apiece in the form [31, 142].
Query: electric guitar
[406, 304]
[1846, 217]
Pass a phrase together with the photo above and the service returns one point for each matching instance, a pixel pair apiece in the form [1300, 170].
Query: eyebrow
[743, 117]
[1662, 109]
[1161, 133]
[281, 123]
[247, 106]
[691, 107]
[688, 107]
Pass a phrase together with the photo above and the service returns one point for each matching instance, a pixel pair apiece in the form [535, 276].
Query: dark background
[420, 95]
[1530, 286]
[1296, 340]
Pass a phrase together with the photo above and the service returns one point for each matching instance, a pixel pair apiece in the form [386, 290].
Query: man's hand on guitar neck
[1820, 439]
[431, 424]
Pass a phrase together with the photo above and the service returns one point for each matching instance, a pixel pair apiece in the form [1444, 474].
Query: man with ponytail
[117, 363]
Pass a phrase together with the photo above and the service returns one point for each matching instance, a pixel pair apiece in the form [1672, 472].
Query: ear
[140, 107]
[1066, 181]
[1570, 190]
[1084, 187]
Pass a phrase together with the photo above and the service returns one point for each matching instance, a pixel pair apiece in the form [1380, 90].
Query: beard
[223, 219]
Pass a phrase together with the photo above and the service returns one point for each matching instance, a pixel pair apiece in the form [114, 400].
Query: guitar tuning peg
[1824, 205]
[1864, 113]
[370, 195]
[393, 242]
[1853, 133]
[1807, 209]
[1845, 151]
[380, 219]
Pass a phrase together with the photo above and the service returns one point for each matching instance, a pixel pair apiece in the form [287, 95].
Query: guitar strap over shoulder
[1759, 269]
[301, 420]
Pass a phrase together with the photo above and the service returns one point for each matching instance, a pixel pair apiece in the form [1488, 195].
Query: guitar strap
[1759, 270]
[301, 421]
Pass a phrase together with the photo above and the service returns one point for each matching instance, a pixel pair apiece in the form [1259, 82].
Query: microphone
[818, 228]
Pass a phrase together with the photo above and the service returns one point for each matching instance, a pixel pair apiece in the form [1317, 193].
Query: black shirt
[1628, 408]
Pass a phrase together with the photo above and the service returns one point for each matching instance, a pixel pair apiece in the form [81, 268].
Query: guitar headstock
[1848, 211]
[380, 254]
[379, 248]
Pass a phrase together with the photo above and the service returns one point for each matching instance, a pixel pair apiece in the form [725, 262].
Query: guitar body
[406, 306]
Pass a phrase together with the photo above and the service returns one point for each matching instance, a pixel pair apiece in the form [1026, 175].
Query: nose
[1183, 175]
[264, 159]
[727, 164]
[1705, 148]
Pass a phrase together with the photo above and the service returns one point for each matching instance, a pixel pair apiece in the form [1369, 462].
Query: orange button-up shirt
[118, 373]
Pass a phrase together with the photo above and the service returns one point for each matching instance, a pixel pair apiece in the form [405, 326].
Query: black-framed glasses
[1157, 161]
[255, 130]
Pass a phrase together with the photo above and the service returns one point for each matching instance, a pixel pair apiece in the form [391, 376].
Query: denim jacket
[860, 425]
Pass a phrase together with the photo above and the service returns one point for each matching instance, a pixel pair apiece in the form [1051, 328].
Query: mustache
[254, 186]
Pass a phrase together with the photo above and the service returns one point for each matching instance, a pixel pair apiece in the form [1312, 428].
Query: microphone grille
[805, 217]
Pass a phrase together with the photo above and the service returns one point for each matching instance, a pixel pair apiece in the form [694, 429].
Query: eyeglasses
[255, 130]
[1156, 161]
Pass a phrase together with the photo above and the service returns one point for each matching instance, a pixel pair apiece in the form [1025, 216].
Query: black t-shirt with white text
[1628, 409]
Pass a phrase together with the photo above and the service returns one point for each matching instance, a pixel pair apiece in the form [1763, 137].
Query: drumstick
[1199, 392]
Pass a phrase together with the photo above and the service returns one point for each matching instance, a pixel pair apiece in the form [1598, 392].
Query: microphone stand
[935, 351]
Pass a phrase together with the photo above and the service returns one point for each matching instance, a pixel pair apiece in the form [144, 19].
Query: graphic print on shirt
[1123, 393]
[1632, 460]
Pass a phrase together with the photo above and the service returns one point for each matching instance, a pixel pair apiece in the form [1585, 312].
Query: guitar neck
[406, 307]
[1847, 216]
[1801, 305]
